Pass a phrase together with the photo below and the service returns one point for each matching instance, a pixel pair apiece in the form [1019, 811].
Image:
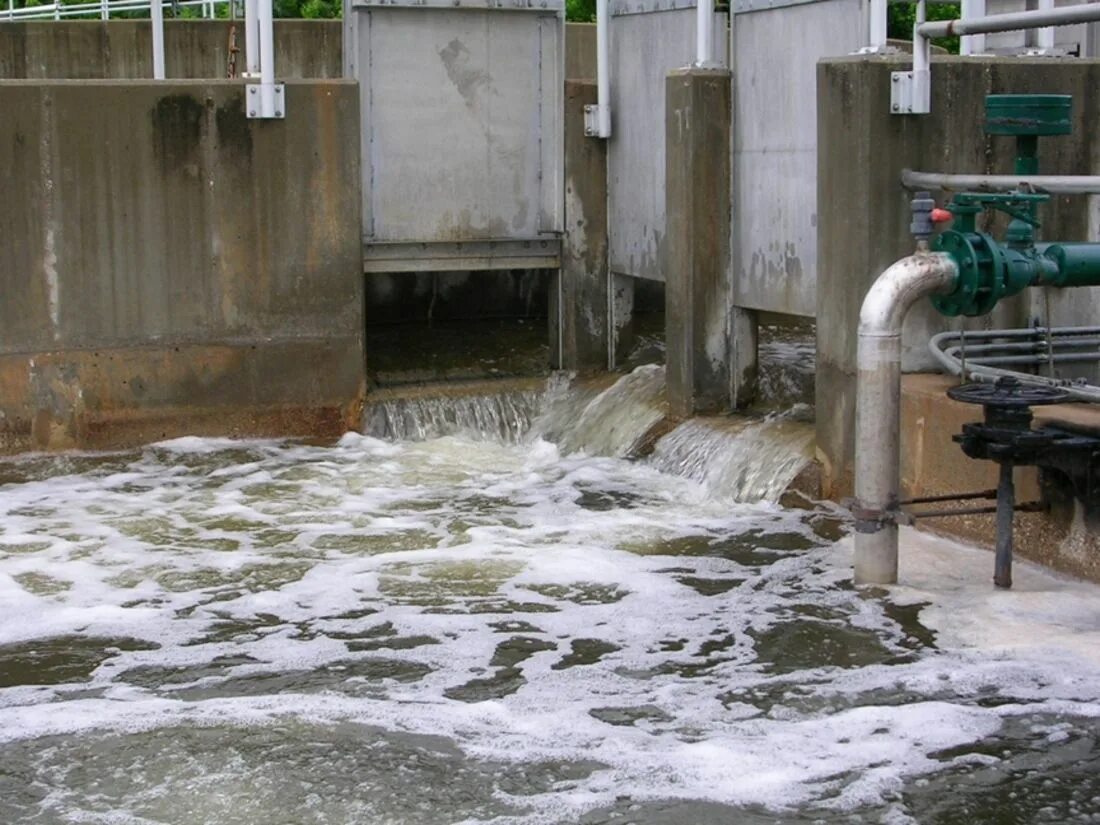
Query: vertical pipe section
[252, 38]
[922, 69]
[972, 43]
[876, 25]
[267, 59]
[704, 33]
[603, 70]
[1044, 37]
[156, 10]
[878, 407]
[1006, 508]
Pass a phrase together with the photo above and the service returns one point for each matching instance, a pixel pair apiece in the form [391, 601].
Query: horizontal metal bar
[1014, 21]
[622, 8]
[1054, 184]
[1034, 359]
[749, 6]
[949, 497]
[1026, 507]
[1036, 345]
[557, 6]
[543, 253]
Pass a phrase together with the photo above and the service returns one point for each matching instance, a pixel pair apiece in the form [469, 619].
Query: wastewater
[524, 610]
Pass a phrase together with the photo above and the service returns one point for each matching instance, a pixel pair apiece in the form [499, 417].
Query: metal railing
[103, 9]
[911, 92]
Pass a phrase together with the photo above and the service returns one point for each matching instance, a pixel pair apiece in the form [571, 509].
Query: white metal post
[251, 38]
[11, 9]
[704, 33]
[1044, 40]
[267, 60]
[156, 10]
[922, 59]
[876, 26]
[104, 10]
[972, 43]
[597, 119]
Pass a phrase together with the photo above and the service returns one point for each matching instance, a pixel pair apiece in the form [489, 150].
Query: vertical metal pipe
[251, 38]
[1045, 36]
[878, 407]
[1006, 504]
[104, 10]
[603, 70]
[922, 60]
[156, 10]
[876, 25]
[267, 59]
[704, 33]
[972, 43]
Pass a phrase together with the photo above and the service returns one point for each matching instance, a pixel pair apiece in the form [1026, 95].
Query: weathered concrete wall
[863, 213]
[122, 49]
[198, 49]
[168, 266]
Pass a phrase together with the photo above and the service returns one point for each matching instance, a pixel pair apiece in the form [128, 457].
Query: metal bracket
[271, 106]
[594, 117]
[909, 93]
[882, 50]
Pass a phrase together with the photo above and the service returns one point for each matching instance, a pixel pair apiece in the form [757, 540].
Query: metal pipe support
[1014, 21]
[1054, 184]
[878, 407]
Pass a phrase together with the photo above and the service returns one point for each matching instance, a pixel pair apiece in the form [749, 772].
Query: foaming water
[744, 460]
[504, 415]
[610, 422]
[458, 630]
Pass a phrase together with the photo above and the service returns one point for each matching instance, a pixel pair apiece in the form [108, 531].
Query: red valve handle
[942, 216]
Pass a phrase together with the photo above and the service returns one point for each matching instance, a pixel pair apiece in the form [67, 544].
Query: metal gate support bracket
[597, 121]
[909, 93]
[270, 106]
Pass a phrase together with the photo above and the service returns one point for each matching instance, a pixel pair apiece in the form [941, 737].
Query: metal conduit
[1054, 184]
[948, 349]
[1013, 21]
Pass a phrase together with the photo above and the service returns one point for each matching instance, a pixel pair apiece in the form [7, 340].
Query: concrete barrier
[168, 266]
[89, 49]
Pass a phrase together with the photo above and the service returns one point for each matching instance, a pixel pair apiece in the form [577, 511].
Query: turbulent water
[466, 629]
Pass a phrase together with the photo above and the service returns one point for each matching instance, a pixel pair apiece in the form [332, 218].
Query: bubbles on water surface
[459, 630]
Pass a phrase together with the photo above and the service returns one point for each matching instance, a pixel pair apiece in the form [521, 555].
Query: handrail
[911, 92]
[104, 8]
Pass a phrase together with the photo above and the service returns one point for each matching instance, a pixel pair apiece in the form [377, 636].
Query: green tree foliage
[903, 15]
[580, 11]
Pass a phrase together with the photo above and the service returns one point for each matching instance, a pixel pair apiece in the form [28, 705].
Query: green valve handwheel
[1028, 115]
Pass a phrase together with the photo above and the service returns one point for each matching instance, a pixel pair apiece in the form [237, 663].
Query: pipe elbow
[902, 285]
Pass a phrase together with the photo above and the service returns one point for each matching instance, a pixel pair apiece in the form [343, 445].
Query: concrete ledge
[932, 464]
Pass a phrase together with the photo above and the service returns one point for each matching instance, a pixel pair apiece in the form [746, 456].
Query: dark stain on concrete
[177, 130]
[233, 127]
[466, 78]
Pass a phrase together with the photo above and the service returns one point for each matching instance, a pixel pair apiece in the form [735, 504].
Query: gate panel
[461, 132]
[649, 38]
[775, 53]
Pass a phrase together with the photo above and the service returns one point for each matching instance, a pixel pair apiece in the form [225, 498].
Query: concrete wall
[168, 266]
[863, 213]
[198, 49]
[192, 49]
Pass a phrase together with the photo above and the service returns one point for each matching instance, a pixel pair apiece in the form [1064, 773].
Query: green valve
[1027, 118]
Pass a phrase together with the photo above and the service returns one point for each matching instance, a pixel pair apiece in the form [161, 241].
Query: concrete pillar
[701, 327]
[622, 319]
[579, 298]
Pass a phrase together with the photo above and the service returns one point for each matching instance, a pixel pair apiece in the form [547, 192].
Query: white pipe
[156, 9]
[603, 70]
[1045, 36]
[876, 25]
[922, 64]
[878, 407]
[267, 60]
[704, 32]
[251, 38]
[972, 43]
[1014, 21]
[1054, 184]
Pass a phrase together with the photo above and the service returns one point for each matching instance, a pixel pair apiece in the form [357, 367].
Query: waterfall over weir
[744, 459]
